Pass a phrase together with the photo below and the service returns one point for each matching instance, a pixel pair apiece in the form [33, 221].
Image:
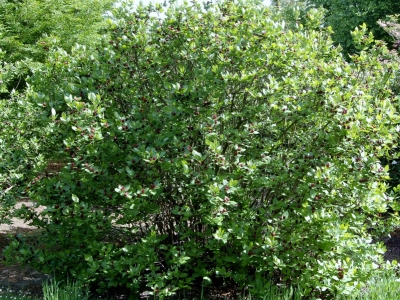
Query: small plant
[53, 290]
[270, 291]
[383, 287]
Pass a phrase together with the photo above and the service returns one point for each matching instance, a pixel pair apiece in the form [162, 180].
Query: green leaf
[221, 235]
[88, 258]
[75, 198]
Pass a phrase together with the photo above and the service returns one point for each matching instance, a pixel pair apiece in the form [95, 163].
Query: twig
[8, 189]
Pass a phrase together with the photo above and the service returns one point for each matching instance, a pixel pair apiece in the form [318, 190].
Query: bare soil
[15, 277]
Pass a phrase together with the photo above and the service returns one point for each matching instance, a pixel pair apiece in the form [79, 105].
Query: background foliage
[30, 28]
[344, 16]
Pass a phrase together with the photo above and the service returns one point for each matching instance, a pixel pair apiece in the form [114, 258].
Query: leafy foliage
[392, 27]
[210, 145]
[30, 28]
[19, 142]
[344, 16]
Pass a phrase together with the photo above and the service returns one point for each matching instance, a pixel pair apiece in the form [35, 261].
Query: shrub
[18, 155]
[211, 144]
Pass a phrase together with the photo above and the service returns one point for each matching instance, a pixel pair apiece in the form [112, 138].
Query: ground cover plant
[210, 145]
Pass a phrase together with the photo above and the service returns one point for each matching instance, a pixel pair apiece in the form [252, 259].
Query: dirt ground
[18, 224]
[18, 278]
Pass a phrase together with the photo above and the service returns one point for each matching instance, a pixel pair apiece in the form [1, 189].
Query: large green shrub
[211, 144]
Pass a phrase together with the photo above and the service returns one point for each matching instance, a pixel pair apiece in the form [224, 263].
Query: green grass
[272, 292]
[53, 290]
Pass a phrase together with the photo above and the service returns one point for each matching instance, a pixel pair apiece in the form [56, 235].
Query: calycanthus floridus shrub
[211, 144]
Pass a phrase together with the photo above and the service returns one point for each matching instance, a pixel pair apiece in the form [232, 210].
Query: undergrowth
[385, 287]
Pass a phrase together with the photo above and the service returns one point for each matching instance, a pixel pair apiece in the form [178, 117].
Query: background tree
[30, 28]
[345, 15]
